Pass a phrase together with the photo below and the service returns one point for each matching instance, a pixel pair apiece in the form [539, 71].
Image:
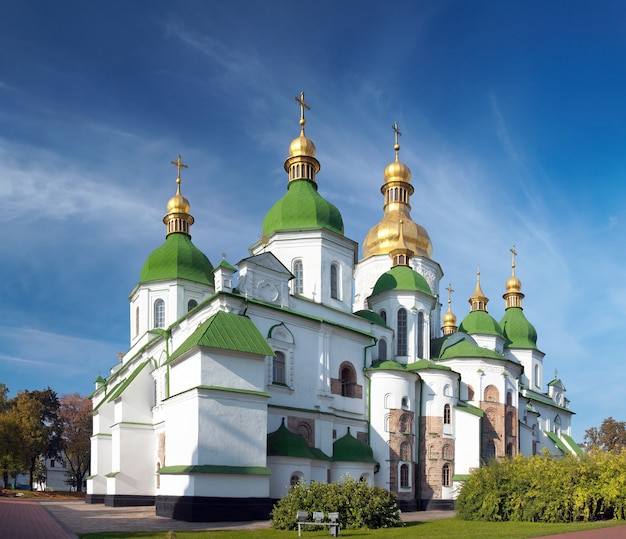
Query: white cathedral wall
[283, 468]
[133, 460]
[467, 435]
[180, 415]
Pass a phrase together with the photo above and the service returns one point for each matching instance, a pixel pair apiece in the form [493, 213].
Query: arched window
[508, 424]
[404, 476]
[278, 369]
[447, 419]
[492, 394]
[295, 478]
[405, 423]
[537, 381]
[405, 403]
[304, 431]
[447, 452]
[509, 450]
[420, 334]
[405, 451]
[490, 451]
[159, 313]
[446, 475]
[401, 341]
[298, 282]
[509, 398]
[136, 321]
[383, 315]
[348, 380]
[432, 452]
[191, 304]
[382, 350]
[334, 282]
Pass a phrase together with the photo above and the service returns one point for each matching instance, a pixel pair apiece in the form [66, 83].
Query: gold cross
[303, 106]
[450, 290]
[397, 131]
[513, 255]
[179, 164]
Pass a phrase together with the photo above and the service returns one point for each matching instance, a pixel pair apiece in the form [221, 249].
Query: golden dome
[513, 284]
[397, 190]
[302, 145]
[449, 319]
[178, 203]
[383, 237]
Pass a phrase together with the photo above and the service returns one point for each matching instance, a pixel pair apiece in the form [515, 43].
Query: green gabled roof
[482, 323]
[284, 443]
[349, 449]
[372, 317]
[518, 331]
[302, 207]
[570, 441]
[464, 348]
[436, 344]
[177, 258]
[401, 278]
[423, 364]
[229, 332]
[226, 265]
[545, 399]
[119, 388]
[557, 441]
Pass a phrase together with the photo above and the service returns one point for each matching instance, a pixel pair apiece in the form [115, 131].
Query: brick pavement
[27, 519]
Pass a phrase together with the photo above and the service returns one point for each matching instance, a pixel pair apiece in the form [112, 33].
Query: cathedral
[304, 362]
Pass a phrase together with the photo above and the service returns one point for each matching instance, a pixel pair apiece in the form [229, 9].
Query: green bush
[545, 489]
[358, 504]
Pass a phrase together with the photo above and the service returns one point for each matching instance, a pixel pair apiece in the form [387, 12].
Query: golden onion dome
[513, 284]
[178, 203]
[396, 170]
[449, 319]
[383, 237]
[302, 145]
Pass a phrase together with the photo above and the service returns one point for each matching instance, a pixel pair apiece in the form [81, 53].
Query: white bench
[318, 520]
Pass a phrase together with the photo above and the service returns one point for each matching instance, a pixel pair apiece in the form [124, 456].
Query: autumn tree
[39, 426]
[610, 437]
[9, 437]
[75, 416]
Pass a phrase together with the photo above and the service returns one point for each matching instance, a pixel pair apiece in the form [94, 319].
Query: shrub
[546, 489]
[358, 504]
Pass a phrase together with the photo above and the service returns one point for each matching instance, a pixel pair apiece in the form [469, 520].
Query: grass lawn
[47, 495]
[435, 529]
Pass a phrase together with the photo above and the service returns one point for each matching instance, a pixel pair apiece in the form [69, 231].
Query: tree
[610, 437]
[75, 416]
[9, 436]
[39, 426]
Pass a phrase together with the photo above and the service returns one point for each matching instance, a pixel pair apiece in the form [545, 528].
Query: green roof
[557, 441]
[177, 258]
[229, 332]
[302, 207]
[542, 397]
[469, 408]
[214, 469]
[518, 331]
[426, 364]
[480, 322]
[388, 365]
[372, 317]
[284, 443]
[226, 265]
[401, 278]
[570, 441]
[422, 364]
[464, 348]
[119, 388]
[349, 449]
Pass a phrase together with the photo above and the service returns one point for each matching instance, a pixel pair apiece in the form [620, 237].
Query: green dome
[464, 348]
[401, 278]
[349, 449]
[177, 258]
[372, 317]
[284, 443]
[518, 331]
[480, 322]
[302, 207]
[388, 365]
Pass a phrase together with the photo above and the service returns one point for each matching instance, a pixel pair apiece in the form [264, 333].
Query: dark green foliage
[358, 504]
[545, 489]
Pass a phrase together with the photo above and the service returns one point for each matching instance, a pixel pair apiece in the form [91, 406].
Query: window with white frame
[298, 273]
[334, 281]
[159, 313]
[279, 369]
[401, 334]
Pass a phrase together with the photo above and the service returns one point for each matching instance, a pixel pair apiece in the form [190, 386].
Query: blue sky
[513, 122]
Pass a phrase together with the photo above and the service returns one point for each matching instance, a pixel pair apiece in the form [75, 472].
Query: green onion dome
[401, 278]
[518, 331]
[284, 443]
[177, 258]
[372, 317]
[480, 322]
[302, 208]
[349, 449]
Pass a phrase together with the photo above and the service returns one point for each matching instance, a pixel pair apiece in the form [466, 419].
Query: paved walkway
[29, 519]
